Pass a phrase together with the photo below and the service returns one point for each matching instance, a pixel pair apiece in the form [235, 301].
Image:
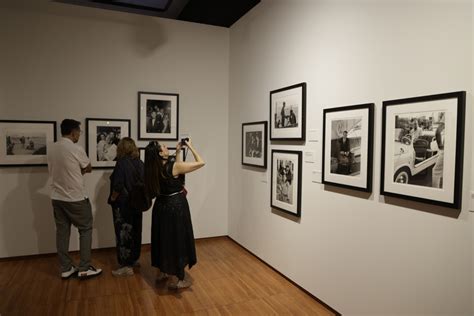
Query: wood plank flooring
[227, 280]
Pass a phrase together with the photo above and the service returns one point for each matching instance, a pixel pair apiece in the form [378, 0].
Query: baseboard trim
[94, 250]
[287, 278]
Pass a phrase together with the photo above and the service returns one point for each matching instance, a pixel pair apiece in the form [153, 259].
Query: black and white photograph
[254, 144]
[108, 138]
[288, 113]
[422, 148]
[21, 143]
[348, 146]
[286, 181]
[25, 142]
[102, 138]
[158, 116]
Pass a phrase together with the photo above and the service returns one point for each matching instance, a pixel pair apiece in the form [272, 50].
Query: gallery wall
[62, 61]
[361, 254]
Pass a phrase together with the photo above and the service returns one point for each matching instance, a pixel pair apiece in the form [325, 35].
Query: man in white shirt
[67, 163]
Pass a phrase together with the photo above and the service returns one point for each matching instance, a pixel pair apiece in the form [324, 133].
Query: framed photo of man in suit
[158, 116]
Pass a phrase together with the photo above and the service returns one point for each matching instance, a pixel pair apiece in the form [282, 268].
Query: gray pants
[80, 215]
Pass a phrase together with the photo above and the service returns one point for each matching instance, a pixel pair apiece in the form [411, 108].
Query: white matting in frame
[286, 181]
[288, 113]
[254, 144]
[102, 139]
[158, 116]
[354, 169]
[423, 148]
[25, 143]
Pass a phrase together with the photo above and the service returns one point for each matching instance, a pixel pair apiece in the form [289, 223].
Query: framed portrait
[348, 146]
[288, 113]
[286, 181]
[171, 149]
[102, 138]
[422, 148]
[254, 144]
[158, 116]
[25, 143]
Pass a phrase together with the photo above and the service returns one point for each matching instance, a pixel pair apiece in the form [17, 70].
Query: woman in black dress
[172, 238]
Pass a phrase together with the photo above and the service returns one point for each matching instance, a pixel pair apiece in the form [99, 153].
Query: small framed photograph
[254, 144]
[288, 113]
[423, 148]
[25, 143]
[172, 151]
[102, 138]
[348, 146]
[286, 181]
[158, 116]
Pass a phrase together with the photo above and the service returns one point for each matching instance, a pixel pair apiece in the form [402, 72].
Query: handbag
[138, 198]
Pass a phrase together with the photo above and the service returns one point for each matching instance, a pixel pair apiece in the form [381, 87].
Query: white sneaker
[161, 277]
[181, 284]
[69, 273]
[123, 271]
[92, 272]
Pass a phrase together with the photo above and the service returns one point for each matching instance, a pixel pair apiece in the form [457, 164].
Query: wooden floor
[226, 281]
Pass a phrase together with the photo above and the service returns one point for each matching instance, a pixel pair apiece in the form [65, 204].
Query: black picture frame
[107, 123]
[247, 160]
[454, 172]
[143, 99]
[300, 134]
[33, 160]
[298, 156]
[369, 126]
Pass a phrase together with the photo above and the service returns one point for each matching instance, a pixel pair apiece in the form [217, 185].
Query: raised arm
[187, 167]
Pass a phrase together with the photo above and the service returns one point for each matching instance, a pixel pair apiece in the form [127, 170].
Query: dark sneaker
[69, 273]
[90, 273]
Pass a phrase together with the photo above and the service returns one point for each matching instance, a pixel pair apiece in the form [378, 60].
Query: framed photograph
[286, 181]
[254, 144]
[102, 138]
[25, 143]
[171, 149]
[288, 113]
[348, 146]
[158, 116]
[422, 148]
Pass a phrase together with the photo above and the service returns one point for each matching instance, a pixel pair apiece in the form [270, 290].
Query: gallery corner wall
[362, 255]
[61, 61]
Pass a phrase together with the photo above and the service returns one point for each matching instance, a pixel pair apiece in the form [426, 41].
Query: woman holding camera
[172, 238]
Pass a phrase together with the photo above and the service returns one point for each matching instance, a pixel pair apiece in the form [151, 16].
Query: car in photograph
[413, 155]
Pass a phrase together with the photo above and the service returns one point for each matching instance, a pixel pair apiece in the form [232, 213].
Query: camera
[184, 140]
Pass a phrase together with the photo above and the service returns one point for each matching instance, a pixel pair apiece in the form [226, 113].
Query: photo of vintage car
[414, 156]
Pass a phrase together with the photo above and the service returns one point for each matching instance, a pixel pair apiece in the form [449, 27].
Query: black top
[168, 183]
[344, 146]
[123, 177]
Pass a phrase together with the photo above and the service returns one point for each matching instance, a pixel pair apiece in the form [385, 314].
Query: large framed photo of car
[254, 144]
[102, 138]
[348, 146]
[288, 113]
[24, 143]
[158, 116]
[422, 148]
[286, 181]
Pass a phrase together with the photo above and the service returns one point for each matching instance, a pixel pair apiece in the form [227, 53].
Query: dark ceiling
[213, 12]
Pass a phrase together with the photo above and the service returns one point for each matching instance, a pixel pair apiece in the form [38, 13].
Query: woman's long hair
[127, 148]
[154, 169]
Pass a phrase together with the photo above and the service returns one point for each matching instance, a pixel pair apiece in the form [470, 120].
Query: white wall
[360, 255]
[61, 61]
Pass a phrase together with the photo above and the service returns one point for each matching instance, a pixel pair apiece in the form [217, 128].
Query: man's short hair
[345, 132]
[68, 125]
